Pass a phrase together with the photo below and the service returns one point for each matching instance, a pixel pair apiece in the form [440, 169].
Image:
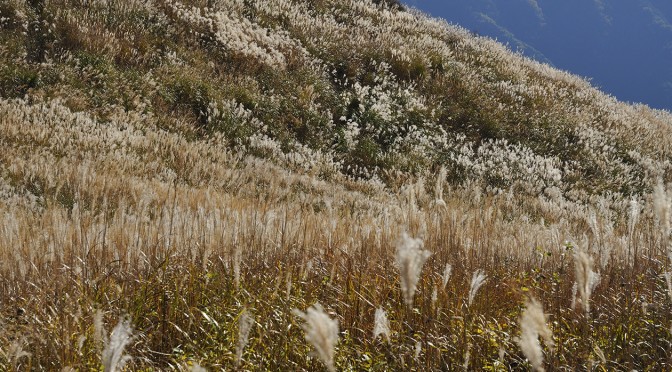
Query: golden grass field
[318, 184]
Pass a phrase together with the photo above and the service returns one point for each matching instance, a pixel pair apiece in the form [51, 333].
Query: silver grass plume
[586, 278]
[192, 367]
[321, 332]
[668, 280]
[16, 352]
[98, 330]
[447, 271]
[661, 208]
[633, 217]
[381, 325]
[532, 326]
[237, 260]
[245, 323]
[477, 280]
[113, 357]
[410, 258]
[438, 188]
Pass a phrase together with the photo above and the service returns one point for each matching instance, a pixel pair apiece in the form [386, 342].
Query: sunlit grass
[421, 198]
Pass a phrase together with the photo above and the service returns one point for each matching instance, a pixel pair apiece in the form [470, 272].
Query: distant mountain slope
[348, 88]
[625, 46]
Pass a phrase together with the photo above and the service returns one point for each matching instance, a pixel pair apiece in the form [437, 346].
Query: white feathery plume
[98, 330]
[410, 258]
[446, 274]
[532, 325]
[668, 280]
[113, 357]
[438, 188]
[477, 280]
[381, 325]
[321, 332]
[245, 323]
[16, 352]
[633, 217]
[194, 368]
[237, 260]
[661, 208]
[586, 278]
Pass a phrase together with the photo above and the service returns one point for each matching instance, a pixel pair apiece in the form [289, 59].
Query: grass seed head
[533, 325]
[113, 357]
[447, 271]
[477, 280]
[586, 278]
[381, 325]
[321, 332]
[245, 323]
[410, 258]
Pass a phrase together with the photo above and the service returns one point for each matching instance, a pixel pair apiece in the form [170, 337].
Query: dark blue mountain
[623, 46]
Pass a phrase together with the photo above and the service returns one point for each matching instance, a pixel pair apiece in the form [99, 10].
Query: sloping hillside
[200, 173]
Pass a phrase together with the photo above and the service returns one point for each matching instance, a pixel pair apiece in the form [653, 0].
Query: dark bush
[15, 81]
[392, 4]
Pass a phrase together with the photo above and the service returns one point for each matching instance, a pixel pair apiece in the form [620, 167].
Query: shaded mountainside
[623, 46]
[196, 171]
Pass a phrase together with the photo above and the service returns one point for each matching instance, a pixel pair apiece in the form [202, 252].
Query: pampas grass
[661, 207]
[478, 278]
[668, 282]
[381, 325]
[586, 279]
[113, 357]
[16, 352]
[533, 325]
[321, 332]
[245, 323]
[410, 258]
[438, 188]
[447, 271]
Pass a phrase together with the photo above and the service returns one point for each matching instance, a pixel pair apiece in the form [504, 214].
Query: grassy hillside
[201, 173]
